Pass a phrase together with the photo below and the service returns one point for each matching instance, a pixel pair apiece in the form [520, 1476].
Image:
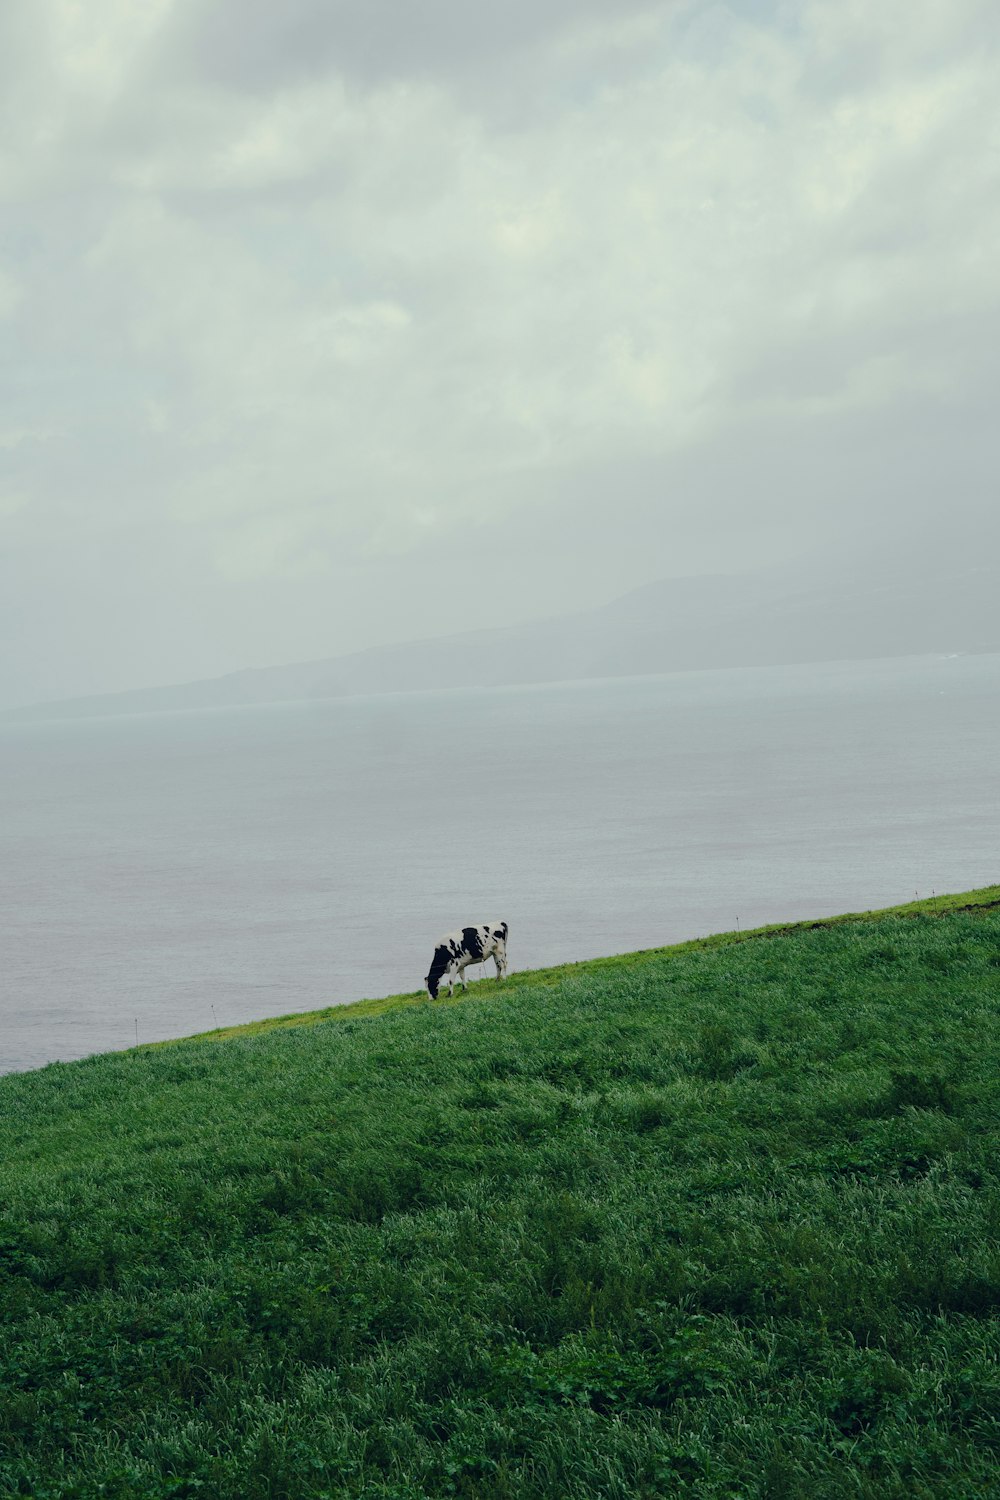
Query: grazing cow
[469, 945]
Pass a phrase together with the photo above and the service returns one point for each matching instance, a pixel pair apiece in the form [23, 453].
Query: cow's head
[438, 969]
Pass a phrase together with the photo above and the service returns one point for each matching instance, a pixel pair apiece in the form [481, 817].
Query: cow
[469, 945]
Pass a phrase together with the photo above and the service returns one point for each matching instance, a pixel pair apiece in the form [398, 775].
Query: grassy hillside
[719, 1220]
[979, 901]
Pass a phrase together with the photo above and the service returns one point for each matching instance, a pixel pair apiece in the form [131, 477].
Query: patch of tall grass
[713, 1222]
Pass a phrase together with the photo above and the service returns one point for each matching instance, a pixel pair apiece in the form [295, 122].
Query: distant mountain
[678, 624]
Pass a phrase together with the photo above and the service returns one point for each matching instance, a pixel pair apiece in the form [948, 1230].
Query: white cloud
[10, 504]
[10, 294]
[334, 291]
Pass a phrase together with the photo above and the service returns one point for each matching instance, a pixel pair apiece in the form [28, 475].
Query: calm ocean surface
[164, 874]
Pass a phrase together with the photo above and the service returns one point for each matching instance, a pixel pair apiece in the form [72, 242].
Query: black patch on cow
[501, 932]
[439, 963]
[472, 944]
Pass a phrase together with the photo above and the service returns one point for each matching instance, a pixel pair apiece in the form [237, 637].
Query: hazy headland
[755, 619]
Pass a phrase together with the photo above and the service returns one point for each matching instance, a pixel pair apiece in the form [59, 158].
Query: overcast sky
[334, 322]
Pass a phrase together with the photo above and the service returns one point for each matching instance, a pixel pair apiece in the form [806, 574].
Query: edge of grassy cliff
[985, 898]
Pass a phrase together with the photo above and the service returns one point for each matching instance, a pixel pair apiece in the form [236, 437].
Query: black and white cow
[469, 945]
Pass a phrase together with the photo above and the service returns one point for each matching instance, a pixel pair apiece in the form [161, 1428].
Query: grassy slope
[979, 900]
[717, 1220]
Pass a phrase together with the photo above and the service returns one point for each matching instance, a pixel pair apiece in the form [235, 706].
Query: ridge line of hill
[767, 618]
[984, 898]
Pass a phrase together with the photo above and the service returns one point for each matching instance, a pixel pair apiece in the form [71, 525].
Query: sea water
[168, 873]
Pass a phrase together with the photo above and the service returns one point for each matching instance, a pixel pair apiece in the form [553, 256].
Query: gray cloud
[322, 331]
[254, 45]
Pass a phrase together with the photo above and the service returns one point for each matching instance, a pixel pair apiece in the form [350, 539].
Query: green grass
[717, 1220]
